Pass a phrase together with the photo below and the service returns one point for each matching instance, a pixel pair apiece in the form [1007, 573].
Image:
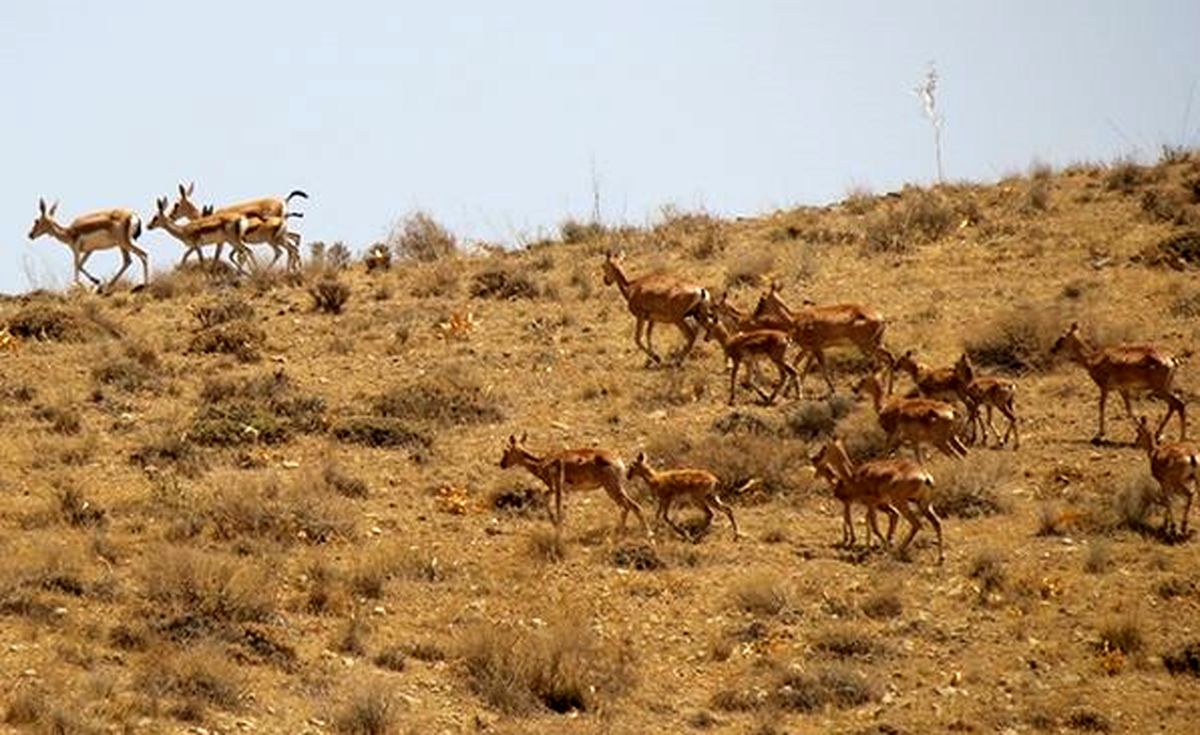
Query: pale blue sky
[489, 115]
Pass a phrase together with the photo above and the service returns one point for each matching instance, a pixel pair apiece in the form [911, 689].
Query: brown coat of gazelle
[1176, 466]
[914, 421]
[575, 469]
[699, 486]
[985, 391]
[213, 229]
[771, 344]
[267, 216]
[658, 297]
[104, 230]
[817, 328]
[944, 384]
[1127, 369]
[843, 493]
[882, 483]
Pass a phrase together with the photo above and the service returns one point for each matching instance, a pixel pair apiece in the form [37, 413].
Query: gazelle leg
[1103, 400]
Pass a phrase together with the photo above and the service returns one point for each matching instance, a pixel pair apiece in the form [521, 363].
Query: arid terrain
[228, 510]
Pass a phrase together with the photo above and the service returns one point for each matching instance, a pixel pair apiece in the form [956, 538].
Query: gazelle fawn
[575, 469]
[698, 486]
[991, 393]
[742, 347]
[1175, 466]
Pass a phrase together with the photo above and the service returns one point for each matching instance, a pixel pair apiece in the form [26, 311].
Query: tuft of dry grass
[988, 571]
[751, 269]
[419, 237]
[448, 399]
[920, 216]
[329, 295]
[238, 338]
[505, 283]
[1184, 660]
[201, 592]
[564, 667]
[1017, 342]
[371, 711]
[975, 487]
[547, 545]
[267, 409]
[883, 604]
[222, 311]
[1123, 634]
[763, 593]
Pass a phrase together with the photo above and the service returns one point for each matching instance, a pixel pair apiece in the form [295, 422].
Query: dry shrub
[814, 420]
[547, 545]
[502, 282]
[173, 450]
[439, 279]
[1125, 175]
[378, 258]
[1086, 719]
[975, 487]
[223, 310]
[1179, 249]
[637, 555]
[137, 369]
[1037, 195]
[523, 500]
[1124, 635]
[383, 432]
[987, 569]
[573, 231]
[329, 295]
[848, 643]
[1133, 502]
[76, 510]
[343, 483]
[47, 322]
[351, 639]
[63, 418]
[1173, 587]
[329, 258]
[450, 398]
[238, 338]
[266, 409]
[751, 269]
[283, 516]
[794, 689]
[419, 237]
[1098, 559]
[1170, 206]
[391, 658]
[1019, 341]
[763, 593]
[919, 217]
[1184, 660]
[883, 604]
[199, 592]
[370, 711]
[564, 667]
[324, 594]
[196, 677]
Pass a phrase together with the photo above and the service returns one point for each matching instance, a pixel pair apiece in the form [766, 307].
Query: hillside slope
[224, 509]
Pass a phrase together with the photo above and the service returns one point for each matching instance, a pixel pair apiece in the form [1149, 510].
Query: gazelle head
[964, 368]
[161, 219]
[514, 452]
[831, 461]
[1069, 341]
[185, 207]
[1146, 438]
[770, 304]
[713, 328]
[44, 224]
[612, 267]
[907, 361]
[639, 467]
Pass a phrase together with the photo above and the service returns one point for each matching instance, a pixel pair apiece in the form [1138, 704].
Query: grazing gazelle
[658, 297]
[104, 230]
[816, 328]
[1176, 466]
[884, 483]
[699, 486]
[1127, 369]
[575, 469]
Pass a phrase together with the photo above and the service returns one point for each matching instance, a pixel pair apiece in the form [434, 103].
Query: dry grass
[763, 594]
[329, 295]
[419, 237]
[564, 667]
[370, 712]
[977, 486]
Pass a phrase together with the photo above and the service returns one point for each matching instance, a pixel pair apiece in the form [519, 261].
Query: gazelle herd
[948, 408]
[945, 409]
[259, 221]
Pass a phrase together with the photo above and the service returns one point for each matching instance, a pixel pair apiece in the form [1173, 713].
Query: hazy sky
[490, 115]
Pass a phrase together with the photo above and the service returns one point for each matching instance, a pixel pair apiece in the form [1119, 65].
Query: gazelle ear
[191, 187]
[182, 191]
[776, 286]
[512, 440]
[42, 205]
[524, 436]
[53, 209]
[641, 457]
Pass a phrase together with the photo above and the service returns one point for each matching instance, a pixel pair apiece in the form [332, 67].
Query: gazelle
[816, 328]
[104, 230]
[844, 494]
[271, 231]
[944, 384]
[769, 343]
[988, 392]
[1126, 369]
[914, 421]
[658, 297]
[271, 210]
[699, 486]
[894, 483]
[209, 230]
[1175, 466]
[579, 469]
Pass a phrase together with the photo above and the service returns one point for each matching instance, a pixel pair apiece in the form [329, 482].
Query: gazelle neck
[60, 233]
[619, 276]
